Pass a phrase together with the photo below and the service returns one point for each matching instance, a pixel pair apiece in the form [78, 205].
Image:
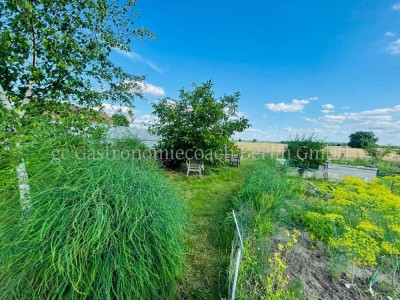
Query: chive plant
[98, 229]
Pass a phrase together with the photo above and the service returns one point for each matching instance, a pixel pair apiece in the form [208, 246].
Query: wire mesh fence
[235, 258]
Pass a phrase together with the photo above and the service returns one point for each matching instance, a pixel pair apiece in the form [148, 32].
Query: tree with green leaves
[362, 139]
[198, 121]
[60, 50]
[57, 52]
[120, 120]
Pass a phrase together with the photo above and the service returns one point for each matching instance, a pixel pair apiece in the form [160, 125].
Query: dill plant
[98, 229]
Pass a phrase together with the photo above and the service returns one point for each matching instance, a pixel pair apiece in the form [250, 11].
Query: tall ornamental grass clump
[98, 229]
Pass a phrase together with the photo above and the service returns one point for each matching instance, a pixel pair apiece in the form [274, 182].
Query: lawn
[208, 246]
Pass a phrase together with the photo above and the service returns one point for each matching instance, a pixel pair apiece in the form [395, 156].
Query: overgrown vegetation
[263, 273]
[101, 229]
[306, 151]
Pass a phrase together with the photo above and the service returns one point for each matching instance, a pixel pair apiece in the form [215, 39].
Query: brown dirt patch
[310, 263]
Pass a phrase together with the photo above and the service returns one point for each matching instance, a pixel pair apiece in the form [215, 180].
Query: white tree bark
[22, 174]
[24, 187]
[4, 100]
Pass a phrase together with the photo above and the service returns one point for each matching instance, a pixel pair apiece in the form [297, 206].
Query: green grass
[210, 201]
[261, 208]
[98, 229]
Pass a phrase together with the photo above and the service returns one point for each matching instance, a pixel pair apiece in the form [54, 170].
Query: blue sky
[329, 67]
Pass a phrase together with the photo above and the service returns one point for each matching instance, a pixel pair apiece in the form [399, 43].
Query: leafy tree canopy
[119, 120]
[362, 139]
[58, 51]
[198, 120]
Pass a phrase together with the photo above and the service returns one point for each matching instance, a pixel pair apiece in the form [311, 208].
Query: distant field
[336, 152]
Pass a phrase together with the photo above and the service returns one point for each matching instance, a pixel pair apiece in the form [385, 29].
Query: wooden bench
[195, 165]
[235, 160]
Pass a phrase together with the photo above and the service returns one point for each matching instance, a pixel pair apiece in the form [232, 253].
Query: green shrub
[306, 151]
[98, 229]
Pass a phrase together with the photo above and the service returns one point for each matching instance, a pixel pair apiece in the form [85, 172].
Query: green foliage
[119, 120]
[362, 139]
[377, 154]
[324, 227]
[98, 229]
[198, 121]
[259, 208]
[263, 193]
[306, 151]
[59, 49]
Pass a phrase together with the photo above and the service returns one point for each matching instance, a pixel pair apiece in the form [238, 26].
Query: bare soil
[310, 263]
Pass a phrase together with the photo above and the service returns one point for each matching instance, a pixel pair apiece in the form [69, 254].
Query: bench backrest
[194, 163]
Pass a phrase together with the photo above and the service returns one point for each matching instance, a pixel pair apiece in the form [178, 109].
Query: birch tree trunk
[22, 174]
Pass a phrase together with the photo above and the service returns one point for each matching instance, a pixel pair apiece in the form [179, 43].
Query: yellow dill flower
[370, 228]
[353, 181]
[359, 245]
[389, 248]
[395, 228]
[334, 217]
[280, 263]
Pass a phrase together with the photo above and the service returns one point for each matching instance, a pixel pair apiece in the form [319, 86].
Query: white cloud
[333, 118]
[394, 47]
[111, 109]
[390, 34]
[383, 121]
[328, 106]
[315, 121]
[150, 89]
[294, 106]
[345, 107]
[301, 131]
[396, 6]
[137, 57]
[144, 121]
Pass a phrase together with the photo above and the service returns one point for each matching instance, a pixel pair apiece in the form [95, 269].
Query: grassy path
[209, 203]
